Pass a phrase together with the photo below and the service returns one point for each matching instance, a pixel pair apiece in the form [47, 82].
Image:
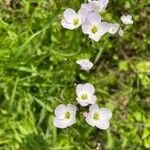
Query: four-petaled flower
[98, 117]
[71, 20]
[85, 94]
[126, 19]
[85, 64]
[94, 27]
[64, 115]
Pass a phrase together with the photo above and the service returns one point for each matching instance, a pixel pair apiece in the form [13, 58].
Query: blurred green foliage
[38, 72]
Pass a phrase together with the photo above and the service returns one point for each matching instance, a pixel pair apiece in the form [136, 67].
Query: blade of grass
[24, 45]
[13, 93]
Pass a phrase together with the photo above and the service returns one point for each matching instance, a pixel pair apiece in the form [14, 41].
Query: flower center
[96, 116]
[67, 115]
[94, 29]
[75, 21]
[84, 96]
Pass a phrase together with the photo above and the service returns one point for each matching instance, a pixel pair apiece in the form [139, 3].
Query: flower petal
[86, 28]
[94, 37]
[79, 89]
[103, 124]
[71, 121]
[104, 28]
[81, 102]
[94, 18]
[88, 7]
[104, 4]
[89, 120]
[60, 111]
[93, 108]
[83, 13]
[92, 99]
[69, 14]
[71, 108]
[84, 88]
[96, 5]
[114, 28]
[100, 5]
[89, 88]
[59, 123]
[67, 25]
[105, 113]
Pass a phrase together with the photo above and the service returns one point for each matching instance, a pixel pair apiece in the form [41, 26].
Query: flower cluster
[90, 20]
[99, 117]
[92, 24]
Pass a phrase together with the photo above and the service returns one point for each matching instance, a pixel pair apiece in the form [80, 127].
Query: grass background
[38, 72]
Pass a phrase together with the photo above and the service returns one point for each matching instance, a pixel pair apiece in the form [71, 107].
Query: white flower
[64, 115]
[99, 5]
[85, 64]
[71, 20]
[94, 27]
[120, 33]
[114, 28]
[85, 94]
[126, 19]
[98, 117]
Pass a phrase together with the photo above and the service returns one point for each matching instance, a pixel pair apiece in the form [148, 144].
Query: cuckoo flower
[64, 115]
[126, 19]
[71, 20]
[94, 27]
[85, 64]
[98, 117]
[85, 94]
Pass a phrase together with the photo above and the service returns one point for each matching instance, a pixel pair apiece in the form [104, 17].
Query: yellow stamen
[84, 97]
[96, 116]
[67, 115]
[94, 29]
[75, 21]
